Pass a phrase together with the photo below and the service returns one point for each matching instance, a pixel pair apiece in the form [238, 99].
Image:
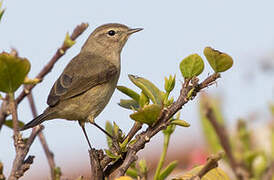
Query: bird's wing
[81, 74]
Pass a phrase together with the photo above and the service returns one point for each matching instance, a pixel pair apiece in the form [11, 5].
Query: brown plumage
[89, 80]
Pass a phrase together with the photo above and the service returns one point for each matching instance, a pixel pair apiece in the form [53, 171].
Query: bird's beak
[131, 31]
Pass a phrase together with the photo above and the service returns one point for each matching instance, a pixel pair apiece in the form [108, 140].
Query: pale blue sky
[172, 30]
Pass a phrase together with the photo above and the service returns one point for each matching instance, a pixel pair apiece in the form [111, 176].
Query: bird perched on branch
[87, 83]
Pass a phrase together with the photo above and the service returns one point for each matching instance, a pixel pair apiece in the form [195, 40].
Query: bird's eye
[111, 32]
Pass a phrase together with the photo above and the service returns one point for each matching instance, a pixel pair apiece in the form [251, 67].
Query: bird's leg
[115, 142]
[91, 120]
[82, 124]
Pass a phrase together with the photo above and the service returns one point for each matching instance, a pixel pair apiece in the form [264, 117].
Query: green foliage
[13, 71]
[170, 83]
[169, 130]
[112, 155]
[143, 167]
[57, 173]
[144, 100]
[191, 66]
[9, 123]
[259, 165]
[148, 114]
[132, 172]
[167, 171]
[109, 129]
[180, 123]
[68, 42]
[129, 104]
[148, 88]
[129, 92]
[214, 174]
[209, 132]
[2, 11]
[115, 132]
[219, 61]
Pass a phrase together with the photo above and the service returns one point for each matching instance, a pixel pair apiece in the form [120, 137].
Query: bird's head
[109, 37]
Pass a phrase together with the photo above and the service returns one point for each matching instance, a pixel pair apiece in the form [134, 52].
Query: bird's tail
[36, 121]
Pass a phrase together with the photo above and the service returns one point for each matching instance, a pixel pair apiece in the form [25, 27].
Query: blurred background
[172, 30]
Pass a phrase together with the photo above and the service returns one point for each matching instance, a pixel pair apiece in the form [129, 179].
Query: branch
[47, 68]
[49, 154]
[96, 170]
[21, 163]
[212, 162]
[163, 120]
[221, 132]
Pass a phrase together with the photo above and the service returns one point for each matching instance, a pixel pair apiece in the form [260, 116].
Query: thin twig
[212, 162]
[47, 68]
[48, 153]
[220, 130]
[20, 163]
[135, 128]
[162, 123]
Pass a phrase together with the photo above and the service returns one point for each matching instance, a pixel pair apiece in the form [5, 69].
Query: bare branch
[239, 170]
[48, 153]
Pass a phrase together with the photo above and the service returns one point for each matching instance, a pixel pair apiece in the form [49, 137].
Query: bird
[88, 81]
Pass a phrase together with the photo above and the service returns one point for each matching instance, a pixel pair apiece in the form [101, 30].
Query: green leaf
[169, 130]
[148, 88]
[147, 115]
[123, 145]
[180, 123]
[144, 100]
[111, 155]
[68, 42]
[166, 172]
[191, 66]
[57, 173]
[214, 174]
[9, 123]
[219, 61]
[129, 104]
[259, 165]
[143, 166]
[109, 129]
[170, 83]
[129, 92]
[13, 71]
[132, 173]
